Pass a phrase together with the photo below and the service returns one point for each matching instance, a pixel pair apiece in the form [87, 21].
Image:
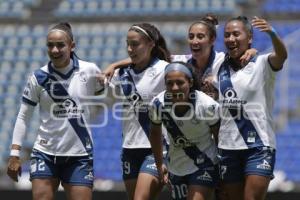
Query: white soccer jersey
[253, 90]
[195, 126]
[148, 83]
[214, 60]
[63, 105]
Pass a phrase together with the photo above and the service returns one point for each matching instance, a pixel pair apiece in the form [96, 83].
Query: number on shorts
[179, 191]
[41, 165]
[126, 167]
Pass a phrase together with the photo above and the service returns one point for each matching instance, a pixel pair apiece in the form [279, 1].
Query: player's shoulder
[160, 64]
[88, 66]
[203, 98]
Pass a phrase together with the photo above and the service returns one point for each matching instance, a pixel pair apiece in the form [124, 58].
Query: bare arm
[279, 54]
[215, 131]
[246, 57]
[109, 71]
[157, 149]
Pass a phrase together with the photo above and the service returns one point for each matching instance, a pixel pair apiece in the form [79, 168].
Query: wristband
[273, 32]
[15, 152]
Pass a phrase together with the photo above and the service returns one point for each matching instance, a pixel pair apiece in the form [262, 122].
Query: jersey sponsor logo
[265, 165]
[205, 177]
[182, 142]
[67, 108]
[89, 177]
[231, 101]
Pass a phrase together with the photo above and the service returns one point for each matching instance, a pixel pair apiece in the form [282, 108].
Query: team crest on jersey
[151, 72]
[248, 69]
[195, 120]
[83, 77]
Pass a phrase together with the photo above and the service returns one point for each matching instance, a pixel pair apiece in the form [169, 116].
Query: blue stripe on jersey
[201, 160]
[46, 80]
[208, 67]
[245, 126]
[27, 101]
[132, 95]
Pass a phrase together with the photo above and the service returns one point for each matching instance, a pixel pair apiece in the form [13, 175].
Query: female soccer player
[201, 39]
[62, 152]
[190, 117]
[246, 136]
[139, 82]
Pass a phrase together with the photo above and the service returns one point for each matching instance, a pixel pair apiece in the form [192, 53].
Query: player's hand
[208, 88]
[261, 24]
[14, 168]
[246, 57]
[109, 71]
[102, 79]
[163, 174]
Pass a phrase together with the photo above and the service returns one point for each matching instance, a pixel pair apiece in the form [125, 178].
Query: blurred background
[100, 28]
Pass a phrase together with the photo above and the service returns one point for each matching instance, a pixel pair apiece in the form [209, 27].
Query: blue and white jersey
[191, 142]
[215, 59]
[63, 106]
[143, 86]
[246, 98]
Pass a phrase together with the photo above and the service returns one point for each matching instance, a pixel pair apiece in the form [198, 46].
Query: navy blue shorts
[135, 161]
[207, 177]
[236, 164]
[73, 170]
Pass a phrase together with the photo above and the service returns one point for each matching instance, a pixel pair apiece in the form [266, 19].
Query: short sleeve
[155, 111]
[30, 93]
[208, 110]
[98, 86]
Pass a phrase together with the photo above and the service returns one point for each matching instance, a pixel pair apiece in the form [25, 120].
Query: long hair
[160, 49]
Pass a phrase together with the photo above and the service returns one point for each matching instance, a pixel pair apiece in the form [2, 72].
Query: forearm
[279, 55]
[156, 144]
[121, 63]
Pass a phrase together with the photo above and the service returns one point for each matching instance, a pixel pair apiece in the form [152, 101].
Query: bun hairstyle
[65, 27]
[211, 22]
[160, 49]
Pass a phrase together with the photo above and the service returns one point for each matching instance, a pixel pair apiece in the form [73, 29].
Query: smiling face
[199, 39]
[139, 48]
[237, 39]
[178, 86]
[59, 48]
